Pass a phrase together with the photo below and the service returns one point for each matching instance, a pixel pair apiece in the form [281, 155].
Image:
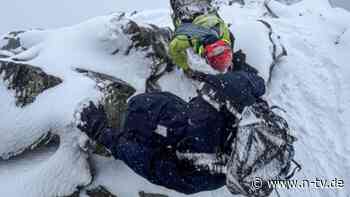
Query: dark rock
[146, 38]
[99, 191]
[278, 50]
[13, 43]
[154, 42]
[134, 13]
[116, 93]
[26, 80]
[231, 2]
[144, 194]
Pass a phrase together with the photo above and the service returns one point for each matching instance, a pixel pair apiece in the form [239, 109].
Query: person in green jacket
[199, 28]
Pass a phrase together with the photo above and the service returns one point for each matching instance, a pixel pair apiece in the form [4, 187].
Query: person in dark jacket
[160, 128]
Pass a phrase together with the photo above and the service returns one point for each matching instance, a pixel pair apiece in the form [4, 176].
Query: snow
[129, 183]
[56, 173]
[312, 84]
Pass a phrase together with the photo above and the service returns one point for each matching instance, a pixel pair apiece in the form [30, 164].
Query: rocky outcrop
[115, 95]
[26, 81]
[152, 39]
[278, 50]
[46, 138]
[114, 100]
[154, 42]
[10, 44]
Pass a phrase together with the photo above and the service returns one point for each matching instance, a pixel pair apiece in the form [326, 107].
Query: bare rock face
[11, 44]
[152, 39]
[26, 80]
[114, 100]
[116, 92]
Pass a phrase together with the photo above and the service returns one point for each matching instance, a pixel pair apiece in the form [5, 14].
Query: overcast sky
[26, 14]
[341, 3]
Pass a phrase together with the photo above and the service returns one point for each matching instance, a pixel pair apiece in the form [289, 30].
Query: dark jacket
[152, 155]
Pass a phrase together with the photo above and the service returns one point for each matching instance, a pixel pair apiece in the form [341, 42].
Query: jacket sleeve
[226, 34]
[177, 50]
[242, 87]
[257, 84]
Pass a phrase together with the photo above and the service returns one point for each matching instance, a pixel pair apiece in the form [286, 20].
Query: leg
[161, 167]
[148, 153]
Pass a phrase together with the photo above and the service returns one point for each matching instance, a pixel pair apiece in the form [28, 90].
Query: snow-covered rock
[26, 81]
[40, 102]
[55, 172]
[10, 44]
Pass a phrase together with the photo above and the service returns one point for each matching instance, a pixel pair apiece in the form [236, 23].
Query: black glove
[239, 59]
[94, 120]
[196, 75]
[240, 63]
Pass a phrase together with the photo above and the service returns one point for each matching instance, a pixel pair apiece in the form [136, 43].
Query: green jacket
[179, 45]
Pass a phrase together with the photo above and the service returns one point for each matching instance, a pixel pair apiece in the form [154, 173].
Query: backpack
[203, 34]
[262, 150]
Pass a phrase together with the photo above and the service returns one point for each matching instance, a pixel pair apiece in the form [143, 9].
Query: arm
[257, 83]
[177, 50]
[242, 88]
[227, 35]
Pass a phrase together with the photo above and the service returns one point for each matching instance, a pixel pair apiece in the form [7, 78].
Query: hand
[195, 75]
[93, 120]
[239, 59]
[240, 63]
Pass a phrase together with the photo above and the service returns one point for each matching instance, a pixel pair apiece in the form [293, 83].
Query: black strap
[190, 41]
[196, 31]
[295, 170]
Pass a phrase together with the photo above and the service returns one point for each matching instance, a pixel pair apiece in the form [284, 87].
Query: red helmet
[219, 55]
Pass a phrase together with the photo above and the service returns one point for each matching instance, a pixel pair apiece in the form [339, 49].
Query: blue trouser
[166, 170]
[152, 155]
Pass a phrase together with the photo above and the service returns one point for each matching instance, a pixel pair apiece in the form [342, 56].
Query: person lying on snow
[160, 128]
[200, 29]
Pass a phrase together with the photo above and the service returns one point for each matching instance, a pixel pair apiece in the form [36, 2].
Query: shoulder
[207, 17]
[179, 42]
